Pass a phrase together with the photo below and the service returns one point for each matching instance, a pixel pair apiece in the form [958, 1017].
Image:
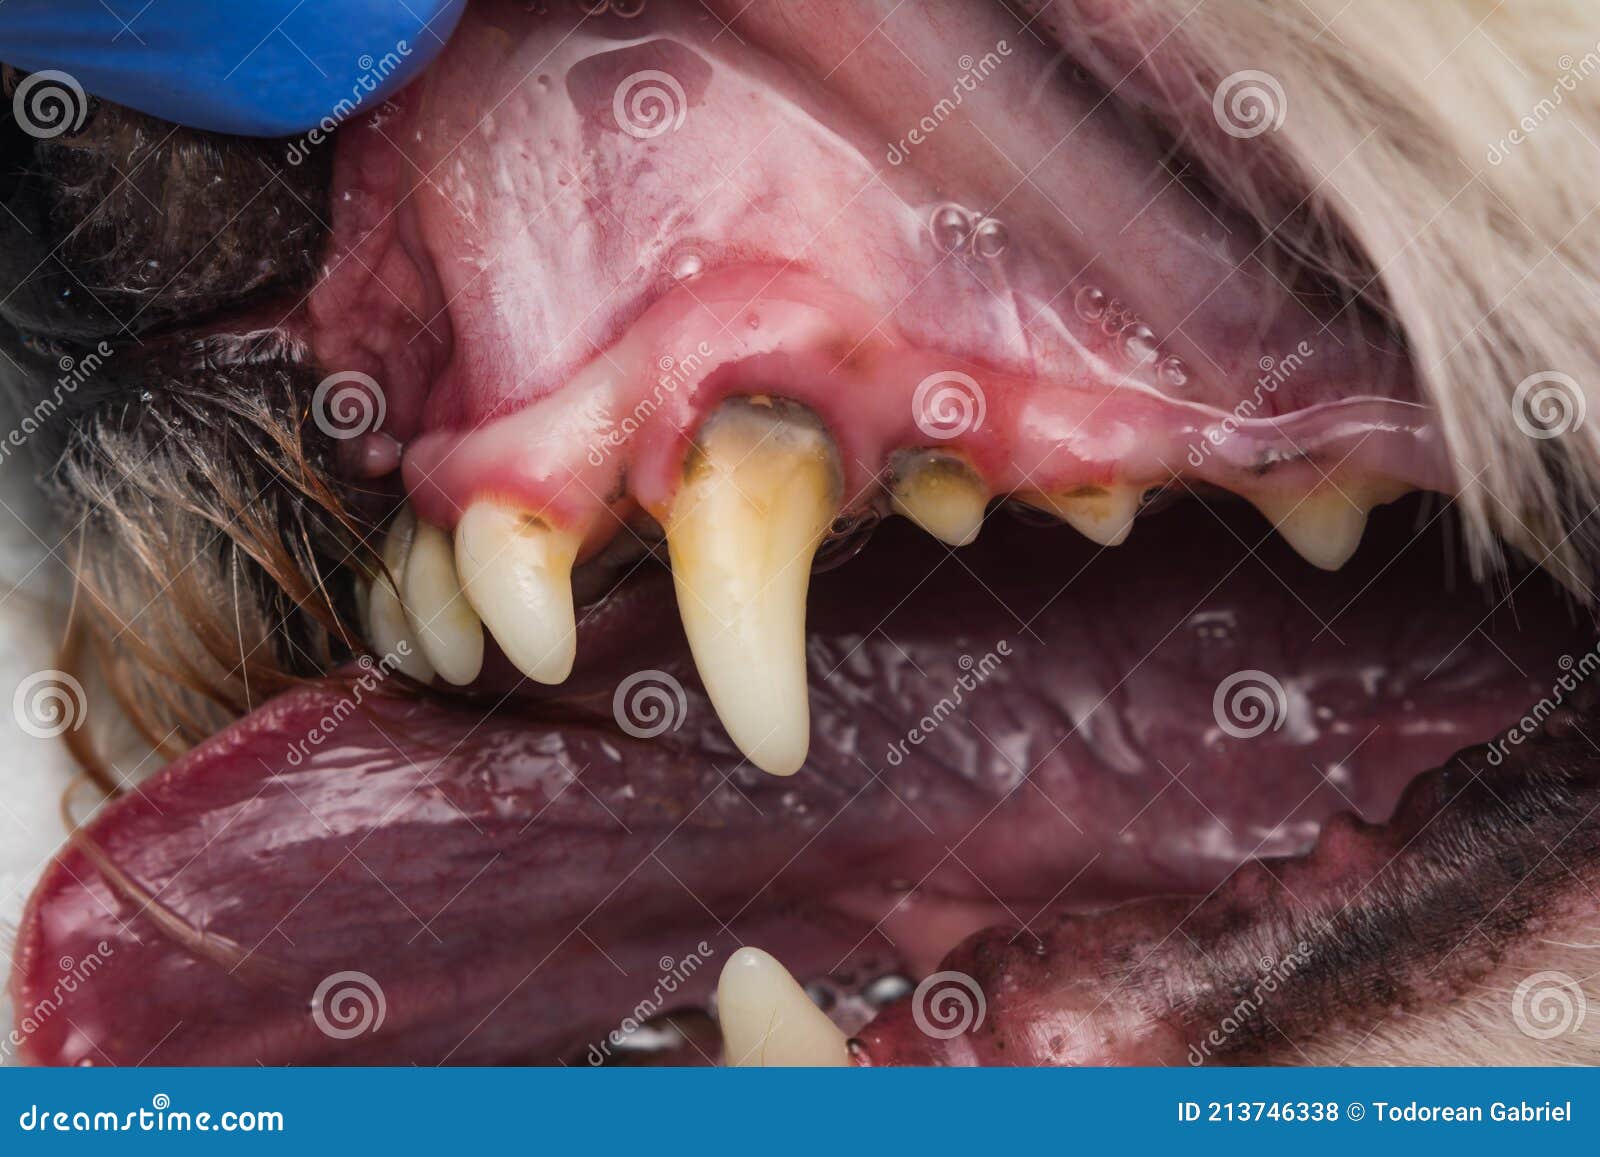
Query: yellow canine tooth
[388, 630]
[441, 618]
[941, 493]
[1102, 514]
[1325, 525]
[517, 572]
[768, 1021]
[759, 492]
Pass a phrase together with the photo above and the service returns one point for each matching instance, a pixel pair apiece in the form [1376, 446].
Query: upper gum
[619, 429]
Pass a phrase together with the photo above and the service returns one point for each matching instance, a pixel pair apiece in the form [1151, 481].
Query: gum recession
[763, 330]
[520, 336]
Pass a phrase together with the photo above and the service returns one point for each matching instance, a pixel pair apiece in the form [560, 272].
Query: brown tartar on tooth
[940, 492]
[1102, 514]
[761, 488]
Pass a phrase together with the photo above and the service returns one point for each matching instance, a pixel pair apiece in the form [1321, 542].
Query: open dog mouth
[1071, 640]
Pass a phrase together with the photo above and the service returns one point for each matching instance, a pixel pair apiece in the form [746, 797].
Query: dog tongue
[349, 875]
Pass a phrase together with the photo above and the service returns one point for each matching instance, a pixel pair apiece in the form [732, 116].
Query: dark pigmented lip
[512, 880]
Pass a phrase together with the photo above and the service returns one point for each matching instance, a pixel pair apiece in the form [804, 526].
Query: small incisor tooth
[1102, 514]
[388, 629]
[517, 572]
[768, 1021]
[940, 493]
[1324, 527]
[444, 623]
[759, 492]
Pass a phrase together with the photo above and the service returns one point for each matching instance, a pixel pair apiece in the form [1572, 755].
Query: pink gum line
[621, 428]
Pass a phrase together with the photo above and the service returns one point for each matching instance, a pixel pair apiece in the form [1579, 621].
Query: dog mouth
[1067, 605]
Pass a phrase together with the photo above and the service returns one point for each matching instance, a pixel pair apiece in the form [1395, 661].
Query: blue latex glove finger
[253, 67]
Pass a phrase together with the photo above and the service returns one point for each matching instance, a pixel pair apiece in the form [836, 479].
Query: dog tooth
[1324, 527]
[760, 490]
[1102, 514]
[387, 625]
[441, 618]
[941, 494]
[768, 1021]
[517, 571]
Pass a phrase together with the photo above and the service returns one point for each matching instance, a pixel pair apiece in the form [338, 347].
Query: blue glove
[268, 68]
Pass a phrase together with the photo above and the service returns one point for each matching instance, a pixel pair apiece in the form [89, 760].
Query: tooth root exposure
[759, 492]
[941, 494]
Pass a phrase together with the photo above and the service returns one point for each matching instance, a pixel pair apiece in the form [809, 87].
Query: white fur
[1393, 108]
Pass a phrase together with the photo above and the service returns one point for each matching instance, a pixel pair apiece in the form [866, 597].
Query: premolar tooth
[443, 621]
[387, 626]
[517, 571]
[1324, 527]
[769, 1021]
[941, 494]
[1102, 514]
[759, 492]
